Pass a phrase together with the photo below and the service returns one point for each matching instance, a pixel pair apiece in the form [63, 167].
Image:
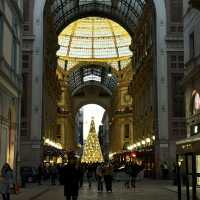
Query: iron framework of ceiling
[97, 76]
[125, 11]
[94, 39]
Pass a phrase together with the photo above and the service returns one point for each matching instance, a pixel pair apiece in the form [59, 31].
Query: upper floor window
[178, 103]
[195, 103]
[26, 10]
[14, 54]
[192, 45]
[176, 61]
[176, 10]
[24, 99]
[58, 134]
[126, 131]
[25, 61]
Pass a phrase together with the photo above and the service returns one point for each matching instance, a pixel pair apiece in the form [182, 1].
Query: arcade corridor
[136, 62]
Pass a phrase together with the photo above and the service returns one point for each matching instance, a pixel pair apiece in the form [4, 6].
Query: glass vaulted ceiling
[126, 11]
[94, 39]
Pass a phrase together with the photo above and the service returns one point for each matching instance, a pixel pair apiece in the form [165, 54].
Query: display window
[198, 168]
[196, 102]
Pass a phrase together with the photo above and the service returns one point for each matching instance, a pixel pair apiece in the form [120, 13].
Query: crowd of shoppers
[71, 175]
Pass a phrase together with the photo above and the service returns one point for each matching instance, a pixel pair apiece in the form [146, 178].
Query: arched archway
[159, 62]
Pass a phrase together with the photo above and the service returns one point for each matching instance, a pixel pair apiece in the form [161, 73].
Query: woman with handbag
[5, 181]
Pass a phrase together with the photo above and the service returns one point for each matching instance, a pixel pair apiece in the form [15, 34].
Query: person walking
[128, 171]
[6, 181]
[53, 174]
[108, 170]
[40, 174]
[60, 169]
[81, 170]
[165, 170]
[71, 175]
[99, 177]
[23, 177]
[89, 175]
[135, 169]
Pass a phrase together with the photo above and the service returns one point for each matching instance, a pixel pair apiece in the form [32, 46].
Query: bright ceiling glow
[89, 111]
[94, 39]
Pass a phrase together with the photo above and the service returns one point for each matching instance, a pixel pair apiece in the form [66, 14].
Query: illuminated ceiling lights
[94, 39]
[138, 144]
[111, 155]
[130, 147]
[53, 144]
[145, 142]
[109, 72]
[148, 140]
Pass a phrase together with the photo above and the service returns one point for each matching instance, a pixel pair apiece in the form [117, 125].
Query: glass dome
[94, 39]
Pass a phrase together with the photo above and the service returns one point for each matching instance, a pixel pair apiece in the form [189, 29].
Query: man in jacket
[71, 179]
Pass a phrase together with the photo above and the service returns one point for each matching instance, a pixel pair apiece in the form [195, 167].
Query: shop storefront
[188, 167]
[53, 156]
[146, 157]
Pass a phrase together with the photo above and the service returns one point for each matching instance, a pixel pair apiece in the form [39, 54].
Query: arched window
[195, 103]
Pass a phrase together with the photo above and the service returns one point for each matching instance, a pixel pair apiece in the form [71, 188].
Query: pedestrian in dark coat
[40, 174]
[135, 169]
[108, 170]
[89, 175]
[71, 180]
[99, 177]
[6, 181]
[53, 174]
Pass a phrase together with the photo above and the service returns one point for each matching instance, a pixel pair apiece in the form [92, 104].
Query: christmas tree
[92, 150]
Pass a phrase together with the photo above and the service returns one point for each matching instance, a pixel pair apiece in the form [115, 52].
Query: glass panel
[62, 51]
[81, 42]
[83, 2]
[124, 51]
[92, 74]
[63, 40]
[92, 77]
[107, 2]
[96, 39]
[80, 53]
[65, 9]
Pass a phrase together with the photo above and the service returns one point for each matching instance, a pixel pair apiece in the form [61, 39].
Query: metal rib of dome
[94, 39]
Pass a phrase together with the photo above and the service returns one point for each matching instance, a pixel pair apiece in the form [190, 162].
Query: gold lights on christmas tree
[92, 150]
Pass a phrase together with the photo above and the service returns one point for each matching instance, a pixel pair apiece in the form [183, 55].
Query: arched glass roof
[125, 11]
[94, 39]
[98, 76]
